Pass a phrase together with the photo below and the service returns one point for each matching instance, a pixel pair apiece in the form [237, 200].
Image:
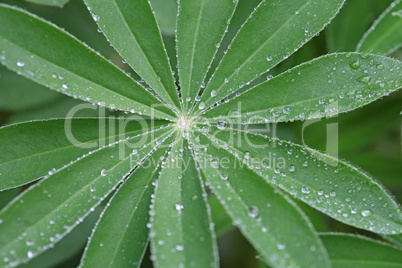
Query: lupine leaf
[385, 35]
[182, 233]
[323, 87]
[345, 31]
[273, 32]
[59, 3]
[19, 94]
[165, 12]
[32, 150]
[49, 56]
[351, 251]
[325, 183]
[68, 247]
[50, 209]
[201, 25]
[113, 239]
[131, 28]
[278, 230]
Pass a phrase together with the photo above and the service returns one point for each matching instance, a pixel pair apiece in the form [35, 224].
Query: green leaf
[50, 209]
[388, 169]
[68, 247]
[7, 196]
[165, 12]
[275, 226]
[385, 35]
[325, 183]
[182, 233]
[396, 239]
[57, 60]
[345, 31]
[113, 239]
[18, 93]
[131, 28]
[220, 218]
[351, 251]
[201, 25]
[36, 149]
[274, 31]
[323, 87]
[58, 3]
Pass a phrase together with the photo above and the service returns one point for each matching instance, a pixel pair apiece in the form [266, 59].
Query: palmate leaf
[252, 193]
[35, 149]
[351, 251]
[329, 185]
[201, 25]
[122, 242]
[49, 56]
[279, 231]
[323, 87]
[385, 35]
[257, 48]
[46, 212]
[131, 28]
[182, 233]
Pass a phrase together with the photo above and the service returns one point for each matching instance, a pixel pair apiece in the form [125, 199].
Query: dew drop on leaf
[213, 93]
[355, 65]
[305, 190]
[103, 172]
[253, 212]
[95, 17]
[179, 247]
[281, 247]
[20, 63]
[366, 213]
[178, 207]
[221, 125]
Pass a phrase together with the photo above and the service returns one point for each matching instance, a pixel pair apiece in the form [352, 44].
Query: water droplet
[103, 172]
[380, 66]
[95, 17]
[366, 213]
[355, 65]
[30, 254]
[221, 125]
[281, 247]
[305, 190]
[226, 80]
[213, 93]
[224, 176]
[179, 247]
[178, 207]
[253, 212]
[64, 86]
[234, 113]
[269, 58]
[135, 151]
[188, 99]
[51, 172]
[201, 106]
[20, 63]
[292, 168]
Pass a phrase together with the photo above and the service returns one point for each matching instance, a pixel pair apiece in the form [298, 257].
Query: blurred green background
[369, 137]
